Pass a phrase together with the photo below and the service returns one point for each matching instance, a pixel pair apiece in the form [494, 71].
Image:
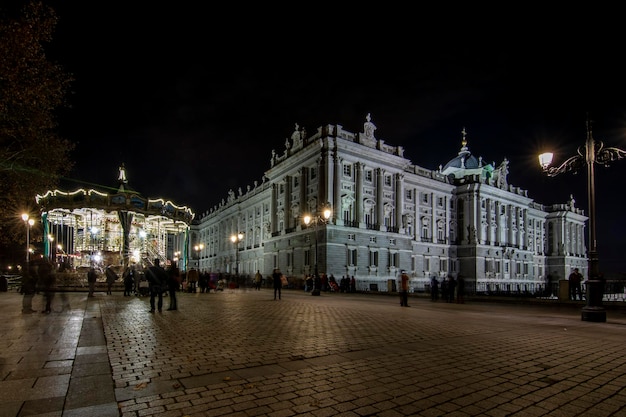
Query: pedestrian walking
[258, 279]
[404, 289]
[173, 284]
[278, 282]
[92, 276]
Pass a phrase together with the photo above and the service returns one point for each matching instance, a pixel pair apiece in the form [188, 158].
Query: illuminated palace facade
[388, 215]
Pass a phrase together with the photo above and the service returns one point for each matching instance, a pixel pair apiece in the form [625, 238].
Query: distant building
[389, 214]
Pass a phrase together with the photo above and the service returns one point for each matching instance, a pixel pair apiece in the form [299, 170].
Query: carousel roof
[123, 199]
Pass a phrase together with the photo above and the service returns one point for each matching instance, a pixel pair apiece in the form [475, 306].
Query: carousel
[84, 228]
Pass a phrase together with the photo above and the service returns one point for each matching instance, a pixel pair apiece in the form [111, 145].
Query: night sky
[193, 101]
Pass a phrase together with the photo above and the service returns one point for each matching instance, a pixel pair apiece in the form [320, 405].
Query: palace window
[352, 257]
[373, 258]
[393, 259]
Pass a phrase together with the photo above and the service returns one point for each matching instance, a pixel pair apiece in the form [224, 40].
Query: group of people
[40, 277]
[160, 281]
[451, 289]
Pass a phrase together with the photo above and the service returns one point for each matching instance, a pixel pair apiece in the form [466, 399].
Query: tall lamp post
[593, 152]
[198, 248]
[236, 238]
[29, 223]
[316, 220]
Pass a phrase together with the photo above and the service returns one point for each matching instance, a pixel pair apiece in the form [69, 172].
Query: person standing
[258, 278]
[460, 289]
[173, 284]
[28, 288]
[451, 288]
[404, 289]
[129, 279]
[111, 278]
[157, 283]
[434, 289]
[575, 280]
[47, 280]
[92, 276]
[192, 280]
[278, 282]
[203, 281]
[352, 284]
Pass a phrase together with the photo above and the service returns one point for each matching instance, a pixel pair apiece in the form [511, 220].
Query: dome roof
[465, 163]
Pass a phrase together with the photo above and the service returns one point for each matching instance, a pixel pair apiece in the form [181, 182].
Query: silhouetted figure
[460, 289]
[28, 288]
[404, 289]
[258, 278]
[157, 284]
[47, 283]
[451, 288]
[173, 284]
[111, 278]
[278, 283]
[434, 289]
[129, 279]
[575, 280]
[92, 276]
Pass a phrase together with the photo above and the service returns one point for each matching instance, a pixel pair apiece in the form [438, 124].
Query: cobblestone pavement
[241, 353]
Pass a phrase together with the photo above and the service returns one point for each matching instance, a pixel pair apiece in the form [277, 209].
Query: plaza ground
[240, 353]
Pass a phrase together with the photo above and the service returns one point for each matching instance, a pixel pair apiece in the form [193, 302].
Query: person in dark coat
[460, 289]
[92, 276]
[129, 280]
[111, 278]
[47, 281]
[278, 282]
[28, 288]
[434, 289]
[157, 284]
[451, 289]
[173, 284]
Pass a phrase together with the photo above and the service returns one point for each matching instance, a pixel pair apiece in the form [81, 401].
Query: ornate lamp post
[29, 223]
[236, 238]
[316, 220]
[593, 152]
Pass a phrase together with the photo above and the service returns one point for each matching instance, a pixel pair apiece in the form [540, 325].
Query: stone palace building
[387, 215]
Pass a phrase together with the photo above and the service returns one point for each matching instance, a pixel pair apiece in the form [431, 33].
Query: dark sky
[193, 101]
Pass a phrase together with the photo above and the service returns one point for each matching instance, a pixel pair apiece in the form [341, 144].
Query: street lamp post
[29, 223]
[593, 152]
[316, 220]
[198, 248]
[236, 238]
